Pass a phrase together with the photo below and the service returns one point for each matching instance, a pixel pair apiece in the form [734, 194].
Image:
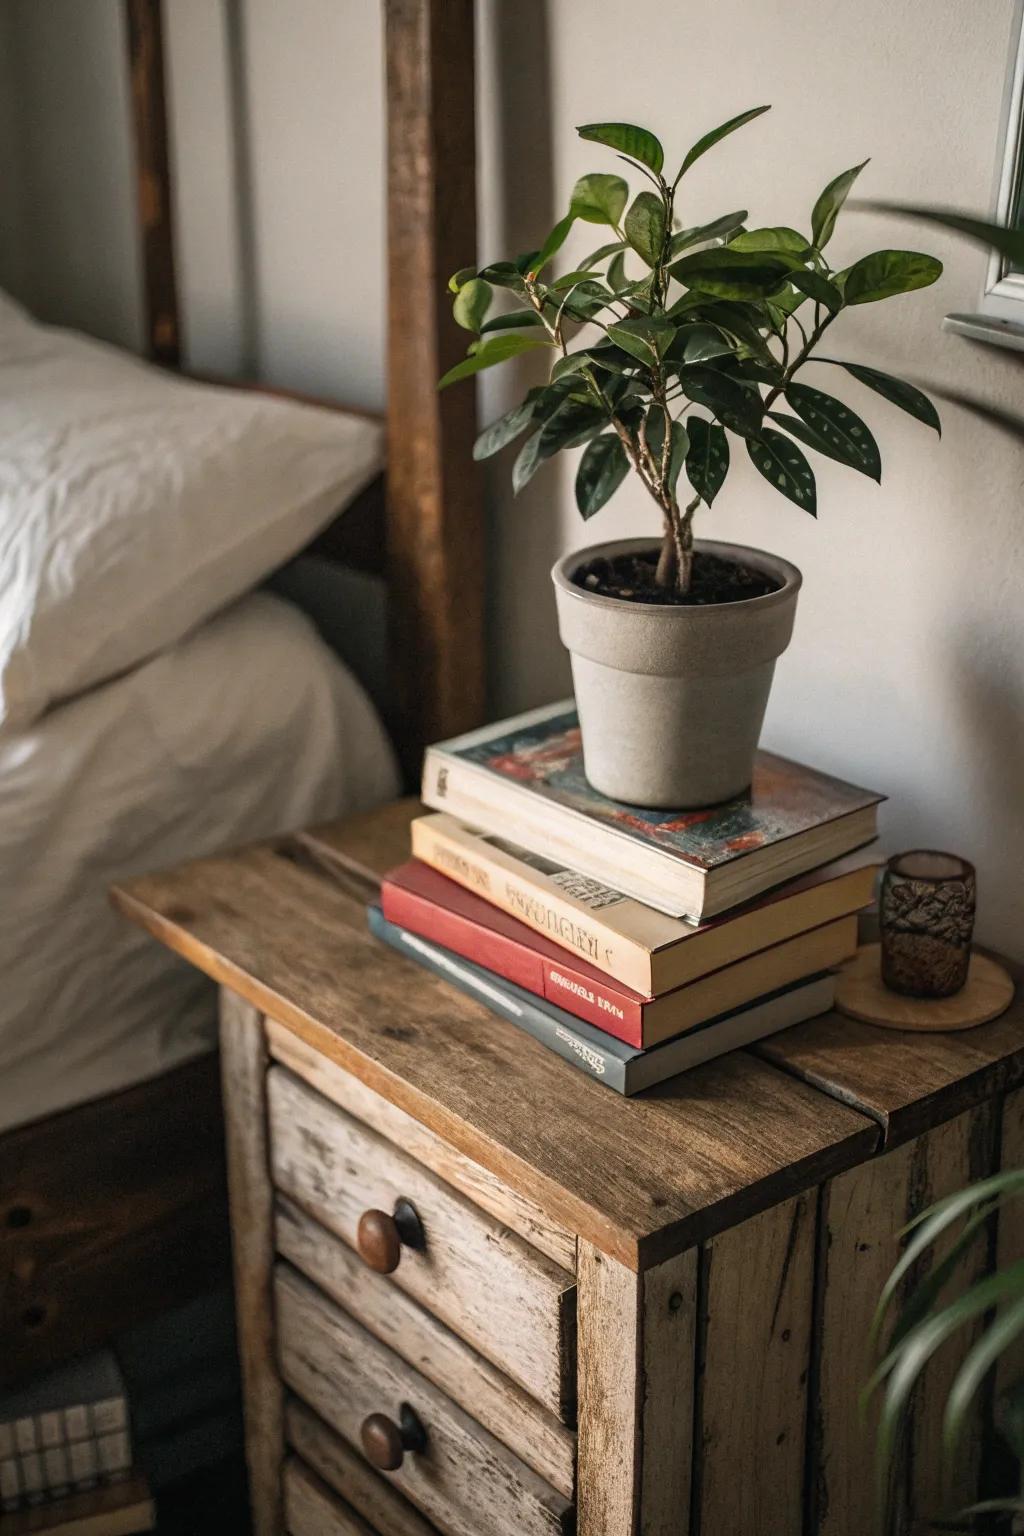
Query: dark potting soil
[631, 577]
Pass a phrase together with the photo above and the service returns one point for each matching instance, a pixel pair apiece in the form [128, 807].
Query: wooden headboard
[429, 527]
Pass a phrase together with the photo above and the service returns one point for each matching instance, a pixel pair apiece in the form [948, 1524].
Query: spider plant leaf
[1005, 1328]
[1008, 242]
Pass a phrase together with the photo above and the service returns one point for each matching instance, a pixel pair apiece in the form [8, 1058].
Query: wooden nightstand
[480, 1293]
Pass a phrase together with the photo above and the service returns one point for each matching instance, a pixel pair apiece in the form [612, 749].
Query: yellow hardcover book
[641, 947]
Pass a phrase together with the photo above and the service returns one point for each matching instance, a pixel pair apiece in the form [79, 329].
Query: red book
[417, 898]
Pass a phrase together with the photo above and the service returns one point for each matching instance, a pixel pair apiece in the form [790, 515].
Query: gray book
[623, 1067]
[66, 1430]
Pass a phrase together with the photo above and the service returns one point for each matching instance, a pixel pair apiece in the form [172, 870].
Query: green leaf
[1003, 1331]
[738, 407]
[710, 139]
[885, 273]
[718, 229]
[931, 1223]
[602, 470]
[697, 343]
[575, 422]
[636, 143]
[504, 274]
[780, 238]
[783, 465]
[553, 243]
[496, 349]
[572, 363]
[599, 199]
[517, 320]
[902, 1368]
[645, 338]
[729, 274]
[472, 302]
[846, 437]
[707, 458]
[503, 431]
[914, 401]
[1007, 241]
[819, 289]
[617, 279]
[826, 209]
[527, 462]
[460, 278]
[654, 431]
[602, 253]
[645, 227]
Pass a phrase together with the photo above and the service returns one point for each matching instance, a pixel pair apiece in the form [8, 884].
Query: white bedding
[247, 728]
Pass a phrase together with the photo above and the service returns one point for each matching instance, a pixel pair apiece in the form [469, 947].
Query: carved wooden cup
[926, 920]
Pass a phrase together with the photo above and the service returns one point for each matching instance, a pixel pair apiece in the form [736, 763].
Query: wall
[905, 671]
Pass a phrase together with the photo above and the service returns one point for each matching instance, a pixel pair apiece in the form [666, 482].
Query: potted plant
[687, 339]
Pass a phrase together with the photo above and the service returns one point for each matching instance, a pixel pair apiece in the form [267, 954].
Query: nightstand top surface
[640, 1178]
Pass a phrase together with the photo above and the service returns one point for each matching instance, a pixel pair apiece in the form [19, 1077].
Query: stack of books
[66, 1453]
[634, 943]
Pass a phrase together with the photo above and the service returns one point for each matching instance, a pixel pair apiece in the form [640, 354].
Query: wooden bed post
[153, 178]
[435, 524]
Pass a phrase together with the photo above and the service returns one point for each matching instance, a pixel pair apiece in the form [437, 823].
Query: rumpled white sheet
[247, 728]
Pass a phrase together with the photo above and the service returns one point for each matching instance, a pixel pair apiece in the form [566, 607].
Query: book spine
[555, 915]
[558, 1037]
[603, 1006]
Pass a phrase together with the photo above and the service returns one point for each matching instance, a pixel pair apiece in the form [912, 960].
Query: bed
[112, 1203]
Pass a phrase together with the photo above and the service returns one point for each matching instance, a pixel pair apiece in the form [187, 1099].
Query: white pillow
[134, 504]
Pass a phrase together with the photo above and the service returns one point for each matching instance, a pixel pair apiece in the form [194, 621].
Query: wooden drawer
[511, 1303]
[464, 1481]
[348, 1475]
[311, 1509]
[471, 1381]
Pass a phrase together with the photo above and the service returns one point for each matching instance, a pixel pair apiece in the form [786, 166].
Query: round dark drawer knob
[380, 1237]
[385, 1442]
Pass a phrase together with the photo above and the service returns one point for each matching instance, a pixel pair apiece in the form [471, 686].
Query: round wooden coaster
[860, 994]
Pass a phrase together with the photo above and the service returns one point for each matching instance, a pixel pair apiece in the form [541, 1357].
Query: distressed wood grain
[244, 1071]
[507, 1301]
[350, 1476]
[435, 518]
[905, 1081]
[311, 1509]
[636, 1382]
[757, 1284]
[478, 1184]
[441, 1356]
[345, 1374]
[863, 1212]
[640, 1178]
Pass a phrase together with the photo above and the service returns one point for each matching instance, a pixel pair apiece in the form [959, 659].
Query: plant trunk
[675, 560]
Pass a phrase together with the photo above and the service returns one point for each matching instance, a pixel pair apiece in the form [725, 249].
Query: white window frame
[1003, 296]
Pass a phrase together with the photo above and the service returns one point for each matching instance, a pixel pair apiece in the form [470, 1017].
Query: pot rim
[792, 580]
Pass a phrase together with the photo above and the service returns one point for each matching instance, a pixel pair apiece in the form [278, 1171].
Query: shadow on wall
[523, 532]
[988, 695]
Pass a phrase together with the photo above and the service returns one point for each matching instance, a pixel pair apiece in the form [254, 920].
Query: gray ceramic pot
[671, 700]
